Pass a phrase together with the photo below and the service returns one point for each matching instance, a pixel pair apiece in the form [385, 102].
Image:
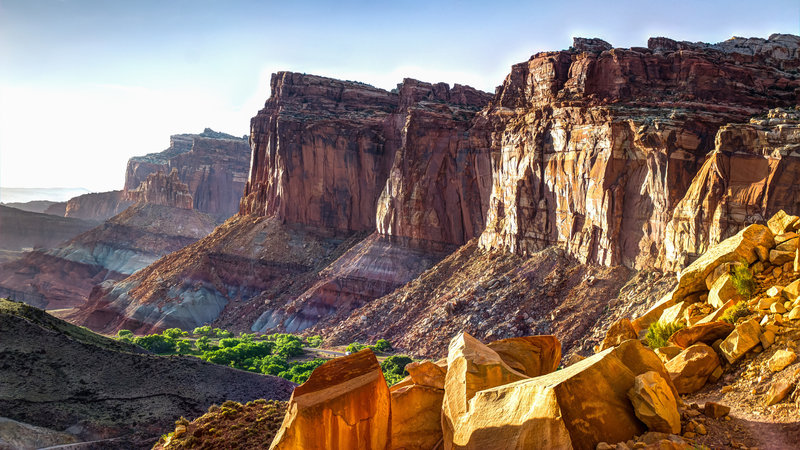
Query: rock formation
[64, 276]
[28, 230]
[213, 165]
[595, 150]
[162, 189]
[97, 206]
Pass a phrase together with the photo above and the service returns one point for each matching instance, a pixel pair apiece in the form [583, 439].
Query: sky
[86, 84]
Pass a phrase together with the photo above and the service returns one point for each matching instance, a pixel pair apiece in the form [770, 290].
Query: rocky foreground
[736, 355]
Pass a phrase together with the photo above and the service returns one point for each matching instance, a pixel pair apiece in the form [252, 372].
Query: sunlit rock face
[213, 165]
[593, 149]
[751, 175]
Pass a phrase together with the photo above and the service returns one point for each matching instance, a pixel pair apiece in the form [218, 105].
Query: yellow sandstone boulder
[744, 337]
[781, 359]
[689, 371]
[343, 405]
[781, 222]
[620, 331]
[654, 403]
[575, 407]
[416, 417]
[471, 367]
[706, 333]
[531, 355]
[426, 373]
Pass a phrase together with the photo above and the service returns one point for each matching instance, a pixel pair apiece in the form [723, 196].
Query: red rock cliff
[162, 189]
[213, 165]
[97, 205]
[592, 150]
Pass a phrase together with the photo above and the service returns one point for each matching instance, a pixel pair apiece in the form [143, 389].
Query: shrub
[659, 332]
[735, 312]
[229, 342]
[125, 335]
[183, 346]
[174, 333]
[314, 341]
[203, 343]
[156, 343]
[743, 281]
[205, 330]
[394, 368]
[272, 365]
[383, 345]
[300, 372]
[355, 347]
[288, 345]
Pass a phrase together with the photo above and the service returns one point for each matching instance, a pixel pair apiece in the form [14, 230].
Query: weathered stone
[762, 253]
[344, 404]
[789, 245]
[416, 417]
[722, 291]
[426, 373]
[531, 356]
[690, 370]
[471, 367]
[767, 338]
[717, 314]
[792, 291]
[743, 338]
[779, 258]
[716, 410]
[774, 291]
[794, 314]
[796, 265]
[674, 313]
[706, 333]
[668, 352]
[777, 308]
[781, 359]
[552, 411]
[781, 222]
[740, 247]
[766, 302]
[715, 375]
[654, 403]
[777, 392]
[620, 331]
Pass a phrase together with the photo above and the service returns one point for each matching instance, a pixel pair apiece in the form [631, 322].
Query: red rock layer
[752, 174]
[593, 150]
[162, 189]
[97, 206]
[213, 165]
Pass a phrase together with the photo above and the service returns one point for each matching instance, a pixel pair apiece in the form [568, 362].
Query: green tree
[383, 345]
[156, 343]
[125, 335]
[183, 346]
[203, 343]
[174, 333]
[394, 368]
[314, 341]
[205, 330]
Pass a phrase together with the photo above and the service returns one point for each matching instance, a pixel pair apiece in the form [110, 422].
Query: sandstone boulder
[674, 313]
[781, 359]
[740, 247]
[654, 403]
[722, 291]
[344, 404]
[717, 314]
[575, 407]
[426, 373]
[620, 331]
[744, 337]
[794, 314]
[531, 356]
[706, 333]
[777, 392]
[416, 417]
[471, 367]
[690, 370]
[792, 291]
[779, 258]
[668, 352]
[781, 222]
[716, 410]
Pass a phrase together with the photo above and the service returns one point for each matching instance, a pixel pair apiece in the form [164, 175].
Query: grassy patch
[735, 312]
[659, 332]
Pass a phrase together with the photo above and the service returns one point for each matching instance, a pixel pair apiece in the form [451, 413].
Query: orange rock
[621, 330]
[716, 410]
[531, 355]
[744, 337]
[345, 404]
[471, 367]
[690, 370]
[706, 333]
[416, 417]
[655, 404]
[426, 373]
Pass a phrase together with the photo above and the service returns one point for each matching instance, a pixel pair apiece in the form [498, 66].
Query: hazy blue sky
[85, 84]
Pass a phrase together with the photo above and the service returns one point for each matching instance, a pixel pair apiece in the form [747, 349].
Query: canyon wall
[595, 146]
[213, 165]
[97, 206]
[162, 189]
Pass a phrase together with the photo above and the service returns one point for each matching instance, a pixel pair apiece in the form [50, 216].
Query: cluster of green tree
[274, 354]
[381, 345]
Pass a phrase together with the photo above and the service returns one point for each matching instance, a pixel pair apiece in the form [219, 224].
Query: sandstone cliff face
[213, 165]
[752, 174]
[162, 189]
[97, 206]
[595, 149]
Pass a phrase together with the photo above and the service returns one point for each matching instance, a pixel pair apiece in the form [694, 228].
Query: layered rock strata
[64, 276]
[213, 165]
[594, 149]
[97, 206]
[162, 189]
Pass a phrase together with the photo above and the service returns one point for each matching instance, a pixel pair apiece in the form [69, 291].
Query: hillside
[63, 377]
